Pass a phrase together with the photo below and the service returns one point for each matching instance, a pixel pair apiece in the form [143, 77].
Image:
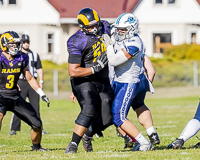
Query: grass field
[170, 117]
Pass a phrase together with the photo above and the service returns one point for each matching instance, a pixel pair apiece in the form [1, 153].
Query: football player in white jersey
[126, 55]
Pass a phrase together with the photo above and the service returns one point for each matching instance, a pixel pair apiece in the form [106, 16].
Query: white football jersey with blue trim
[130, 71]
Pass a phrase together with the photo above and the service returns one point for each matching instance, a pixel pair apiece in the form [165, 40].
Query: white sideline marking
[113, 155]
[56, 134]
[2, 146]
[167, 126]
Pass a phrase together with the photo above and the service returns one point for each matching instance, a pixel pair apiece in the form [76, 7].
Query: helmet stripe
[118, 19]
[8, 36]
[96, 17]
[84, 19]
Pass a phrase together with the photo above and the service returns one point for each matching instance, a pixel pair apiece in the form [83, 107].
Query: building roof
[110, 9]
[107, 9]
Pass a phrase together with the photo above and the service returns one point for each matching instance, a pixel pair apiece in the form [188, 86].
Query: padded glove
[45, 99]
[107, 40]
[100, 63]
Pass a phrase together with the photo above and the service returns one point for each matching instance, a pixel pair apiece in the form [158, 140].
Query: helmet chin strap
[94, 30]
[25, 49]
[14, 52]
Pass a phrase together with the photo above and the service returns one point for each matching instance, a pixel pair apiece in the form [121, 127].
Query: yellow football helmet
[10, 37]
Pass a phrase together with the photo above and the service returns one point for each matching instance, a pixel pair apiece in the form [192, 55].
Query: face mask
[94, 30]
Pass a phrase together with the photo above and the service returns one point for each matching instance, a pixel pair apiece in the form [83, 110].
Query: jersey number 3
[10, 84]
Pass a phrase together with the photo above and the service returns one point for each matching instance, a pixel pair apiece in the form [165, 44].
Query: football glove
[107, 40]
[45, 99]
[100, 63]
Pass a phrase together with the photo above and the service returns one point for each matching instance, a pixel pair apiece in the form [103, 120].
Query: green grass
[170, 117]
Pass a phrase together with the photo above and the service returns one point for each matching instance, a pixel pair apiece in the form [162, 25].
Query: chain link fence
[167, 75]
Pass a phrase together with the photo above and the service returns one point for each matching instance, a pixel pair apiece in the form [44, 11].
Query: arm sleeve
[115, 59]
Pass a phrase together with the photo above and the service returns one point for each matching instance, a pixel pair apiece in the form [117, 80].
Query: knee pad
[89, 110]
[83, 120]
[36, 124]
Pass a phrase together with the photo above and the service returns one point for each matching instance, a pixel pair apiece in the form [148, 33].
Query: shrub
[193, 52]
[181, 52]
[63, 76]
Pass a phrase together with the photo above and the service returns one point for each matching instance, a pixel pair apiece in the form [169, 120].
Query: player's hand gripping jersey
[130, 71]
[83, 49]
[10, 72]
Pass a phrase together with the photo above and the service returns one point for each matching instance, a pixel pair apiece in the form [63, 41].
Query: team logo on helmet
[126, 21]
[7, 38]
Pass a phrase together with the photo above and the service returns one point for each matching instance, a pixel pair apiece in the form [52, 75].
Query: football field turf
[170, 117]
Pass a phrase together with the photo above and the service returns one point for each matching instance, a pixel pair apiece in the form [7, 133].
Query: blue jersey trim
[132, 50]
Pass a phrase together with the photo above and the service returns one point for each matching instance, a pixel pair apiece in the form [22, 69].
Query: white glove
[107, 40]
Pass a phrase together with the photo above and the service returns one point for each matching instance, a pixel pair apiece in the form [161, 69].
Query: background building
[51, 22]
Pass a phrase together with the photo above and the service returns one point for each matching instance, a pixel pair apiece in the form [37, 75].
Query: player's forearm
[150, 75]
[150, 70]
[40, 74]
[33, 83]
[80, 72]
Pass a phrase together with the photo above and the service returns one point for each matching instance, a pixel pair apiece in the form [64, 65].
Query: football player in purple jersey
[13, 63]
[88, 69]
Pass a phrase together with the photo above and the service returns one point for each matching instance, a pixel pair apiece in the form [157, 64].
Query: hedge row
[174, 69]
[184, 51]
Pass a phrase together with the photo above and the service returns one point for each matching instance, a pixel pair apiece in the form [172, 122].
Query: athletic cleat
[87, 144]
[177, 144]
[128, 142]
[39, 149]
[99, 134]
[71, 148]
[12, 132]
[196, 145]
[136, 146]
[118, 133]
[146, 146]
[44, 132]
[154, 139]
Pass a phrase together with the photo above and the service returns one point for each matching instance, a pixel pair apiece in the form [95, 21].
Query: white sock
[141, 139]
[190, 129]
[150, 130]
